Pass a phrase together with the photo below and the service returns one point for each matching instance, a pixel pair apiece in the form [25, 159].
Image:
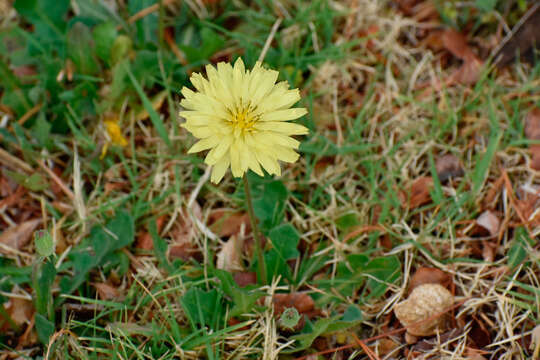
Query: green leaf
[383, 271]
[289, 318]
[44, 328]
[285, 240]
[517, 252]
[43, 279]
[104, 36]
[269, 203]
[80, 49]
[243, 299]
[210, 43]
[47, 16]
[44, 243]
[326, 326]
[118, 233]
[41, 130]
[34, 182]
[347, 221]
[120, 48]
[483, 161]
[486, 5]
[203, 308]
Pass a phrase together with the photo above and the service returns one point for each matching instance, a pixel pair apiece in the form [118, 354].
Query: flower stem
[255, 229]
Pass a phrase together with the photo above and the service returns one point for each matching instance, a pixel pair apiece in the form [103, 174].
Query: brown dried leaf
[489, 221]
[532, 124]
[469, 71]
[535, 157]
[467, 74]
[230, 256]
[245, 278]
[184, 251]
[301, 301]
[227, 223]
[106, 291]
[387, 346]
[428, 275]
[18, 236]
[420, 192]
[19, 310]
[448, 166]
[144, 239]
[417, 313]
[456, 43]
[475, 354]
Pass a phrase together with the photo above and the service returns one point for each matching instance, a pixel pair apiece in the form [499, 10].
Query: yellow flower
[241, 116]
[114, 132]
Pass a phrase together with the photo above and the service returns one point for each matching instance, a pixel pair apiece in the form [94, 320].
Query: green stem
[255, 229]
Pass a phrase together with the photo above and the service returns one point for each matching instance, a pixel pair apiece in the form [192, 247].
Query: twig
[269, 39]
[57, 180]
[147, 11]
[29, 114]
[13, 162]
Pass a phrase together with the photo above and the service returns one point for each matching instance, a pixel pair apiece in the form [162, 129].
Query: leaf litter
[438, 243]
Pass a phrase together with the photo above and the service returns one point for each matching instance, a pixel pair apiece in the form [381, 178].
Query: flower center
[242, 120]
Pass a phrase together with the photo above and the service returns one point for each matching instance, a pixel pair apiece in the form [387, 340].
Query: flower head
[242, 116]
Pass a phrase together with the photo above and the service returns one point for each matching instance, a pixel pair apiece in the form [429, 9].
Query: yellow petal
[284, 115]
[236, 165]
[282, 127]
[219, 151]
[219, 169]
[204, 144]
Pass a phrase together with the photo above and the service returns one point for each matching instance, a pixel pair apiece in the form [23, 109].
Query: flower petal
[284, 115]
[282, 127]
[204, 144]
[219, 169]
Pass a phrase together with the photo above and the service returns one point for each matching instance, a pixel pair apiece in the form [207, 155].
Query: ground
[421, 166]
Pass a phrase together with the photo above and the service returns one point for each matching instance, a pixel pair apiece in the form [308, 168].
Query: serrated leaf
[44, 243]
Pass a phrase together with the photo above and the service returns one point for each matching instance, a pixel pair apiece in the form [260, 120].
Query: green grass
[85, 62]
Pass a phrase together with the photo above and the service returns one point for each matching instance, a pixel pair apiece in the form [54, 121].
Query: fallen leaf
[144, 239]
[106, 291]
[475, 354]
[20, 312]
[448, 166]
[302, 302]
[418, 312]
[523, 37]
[479, 333]
[532, 132]
[18, 236]
[469, 72]
[419, 193]
[535, 159]
[227, 223]
[184, 251]
[490, 222]
[230, 256]
[386, 346]
[456, 43]
[532, 124]
[428, 275]
[245, 278]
